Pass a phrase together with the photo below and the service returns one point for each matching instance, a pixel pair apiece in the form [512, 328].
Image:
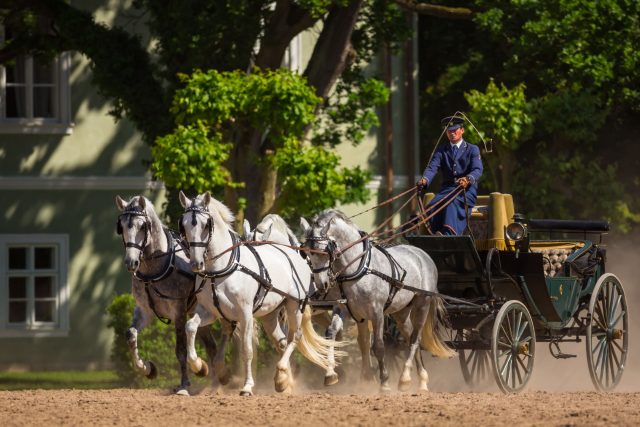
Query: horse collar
[231, 266]
[168, 268]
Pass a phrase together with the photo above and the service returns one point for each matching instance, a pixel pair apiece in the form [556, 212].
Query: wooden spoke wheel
[607, 333]
[513, 345]
[475, 364]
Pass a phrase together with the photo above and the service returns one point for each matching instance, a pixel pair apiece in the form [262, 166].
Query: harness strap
[152, 305]
[397, 281]
[263, 279]
[169, 266]
[299, 283]
[231, 266]
[346, 303]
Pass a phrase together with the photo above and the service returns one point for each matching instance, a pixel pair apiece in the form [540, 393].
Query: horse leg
[140, 320]
[378, 350]
[284, 377]
[246, 351]
[419, 315]
[271, 324]
[331, 377]
[201, 318]
[405, 326]
[364, 342]
[181, 354]
[215, 357]
[222, 371]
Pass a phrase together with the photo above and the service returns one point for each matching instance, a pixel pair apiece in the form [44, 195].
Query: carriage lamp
[516, 231]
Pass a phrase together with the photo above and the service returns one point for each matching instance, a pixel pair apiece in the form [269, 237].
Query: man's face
[455, 135]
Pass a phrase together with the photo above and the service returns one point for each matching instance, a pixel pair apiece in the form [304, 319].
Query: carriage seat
[555, 255]
[488, 220]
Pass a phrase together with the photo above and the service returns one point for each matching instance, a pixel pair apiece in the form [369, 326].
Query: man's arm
[433, 167]
[476, 165]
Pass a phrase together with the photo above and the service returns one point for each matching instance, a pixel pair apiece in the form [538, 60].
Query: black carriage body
[485, 279]
[525, 282]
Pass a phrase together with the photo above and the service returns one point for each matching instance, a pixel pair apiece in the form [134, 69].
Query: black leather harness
[166, 271]
[396, 280]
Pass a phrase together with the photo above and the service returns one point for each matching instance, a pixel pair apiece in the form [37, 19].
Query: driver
[460, 164]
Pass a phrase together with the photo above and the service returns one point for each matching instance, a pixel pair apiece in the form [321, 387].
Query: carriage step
[557, 353]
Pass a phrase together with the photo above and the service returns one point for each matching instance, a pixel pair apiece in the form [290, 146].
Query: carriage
[511, 283]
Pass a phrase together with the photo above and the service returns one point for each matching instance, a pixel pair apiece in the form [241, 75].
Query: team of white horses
[214, 274]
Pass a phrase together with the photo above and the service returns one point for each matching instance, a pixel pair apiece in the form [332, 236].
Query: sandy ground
[156, 408]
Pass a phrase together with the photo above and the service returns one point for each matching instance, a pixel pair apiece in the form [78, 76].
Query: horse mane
[277, 224]
[321, 219]
[222, 210]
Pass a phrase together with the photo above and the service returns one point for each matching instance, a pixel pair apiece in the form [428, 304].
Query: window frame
[61, 122]
[60, 326]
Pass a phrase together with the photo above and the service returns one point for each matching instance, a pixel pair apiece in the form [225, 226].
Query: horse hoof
[245, 393]
[404, 385]
[225, 377]
[153, 371]
[385, 389]
[204, 370]
[182, 392]
[281, 380]
[331, 379]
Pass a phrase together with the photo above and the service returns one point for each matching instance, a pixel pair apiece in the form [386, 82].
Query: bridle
[131, 213]
[209, 226]
[331, 249]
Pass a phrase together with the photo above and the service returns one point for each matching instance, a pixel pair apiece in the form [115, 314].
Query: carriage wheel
[607, 333]
[475, 364]
[513, 345]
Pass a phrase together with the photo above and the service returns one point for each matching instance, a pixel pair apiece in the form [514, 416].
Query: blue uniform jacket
[467, 162]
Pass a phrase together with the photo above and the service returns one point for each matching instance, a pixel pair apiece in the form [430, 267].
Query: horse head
[274, 228]
[202, 218]
[135, 225]
[324, 238]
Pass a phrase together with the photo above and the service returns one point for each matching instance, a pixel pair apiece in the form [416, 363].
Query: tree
[575, 63]
[222, 35]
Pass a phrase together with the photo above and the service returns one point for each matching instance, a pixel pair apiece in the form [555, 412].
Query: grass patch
[52, 380]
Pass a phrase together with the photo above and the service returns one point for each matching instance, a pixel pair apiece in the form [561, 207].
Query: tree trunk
[330, 54]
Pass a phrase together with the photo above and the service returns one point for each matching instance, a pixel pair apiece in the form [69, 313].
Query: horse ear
[292, 238]
[266, 234]
[246, 229]
[325, 229]
[304, 225]
[121, 204]
[206, 198]
[142, 201]
[184, 200]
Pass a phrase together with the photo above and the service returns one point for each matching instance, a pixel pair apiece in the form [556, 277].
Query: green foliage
[312, 180]
[59, 380]
[574, 186]
[573, 68]
[502, 113]
[349, 112]
[191, 157]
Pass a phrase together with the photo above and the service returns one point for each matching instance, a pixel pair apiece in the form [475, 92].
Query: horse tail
[315, 347]
[433, 337]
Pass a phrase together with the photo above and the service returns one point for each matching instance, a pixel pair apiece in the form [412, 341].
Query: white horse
[275, 229]
[375, 283]
[248, 281]
[162, 284]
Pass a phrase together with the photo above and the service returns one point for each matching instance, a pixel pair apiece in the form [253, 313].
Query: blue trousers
[452, 219]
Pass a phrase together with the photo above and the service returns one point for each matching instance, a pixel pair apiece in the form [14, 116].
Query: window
[34, 94]
[33, 291]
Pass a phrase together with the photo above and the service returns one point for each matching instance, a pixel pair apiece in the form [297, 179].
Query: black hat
[452, 122]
